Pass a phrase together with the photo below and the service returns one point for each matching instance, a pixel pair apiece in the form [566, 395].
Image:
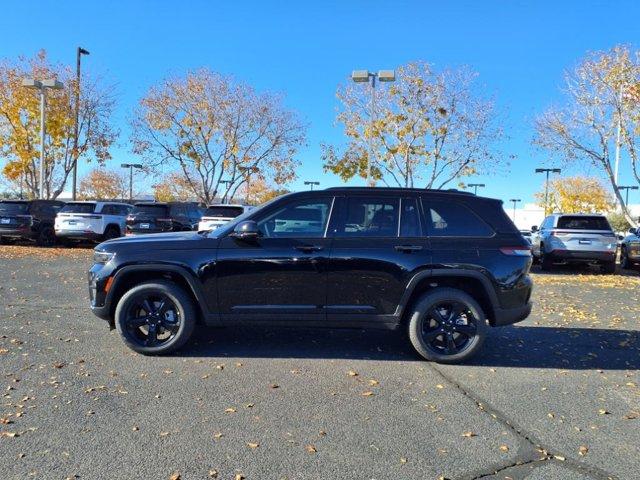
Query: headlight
[102, 257]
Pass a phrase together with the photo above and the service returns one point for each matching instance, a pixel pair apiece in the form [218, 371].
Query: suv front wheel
[155, 318]
[447, 326]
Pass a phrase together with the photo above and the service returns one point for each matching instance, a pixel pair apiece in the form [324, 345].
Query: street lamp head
[360, 76]
[556, 170]
[137, 165]
[31, 83]
[82, 51]
[387, 75]
[52, 83]
[125, 165]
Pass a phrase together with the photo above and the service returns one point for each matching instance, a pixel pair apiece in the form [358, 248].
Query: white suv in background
[96, 221]
[217, 215]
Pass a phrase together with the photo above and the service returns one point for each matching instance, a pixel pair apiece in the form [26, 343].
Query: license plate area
[5, 221]
[584, 241]
[146, 226]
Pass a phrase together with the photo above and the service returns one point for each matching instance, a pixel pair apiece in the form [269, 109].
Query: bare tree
[214, 130]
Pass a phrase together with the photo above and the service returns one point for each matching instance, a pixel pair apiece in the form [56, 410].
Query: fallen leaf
[175, 476]
[213, 473]
[274, 385]
[367, 394]
[403, 460]
[253, 445]
[218, 435]
[583, 450]
[504, 448]
[310, 449]
[469, 434]
[373, 382]
[135, 429]
[238, 476]
[164, 434]
[230, 410]
[440, 386]
[351, 373]
[602, 411]
[559, 457]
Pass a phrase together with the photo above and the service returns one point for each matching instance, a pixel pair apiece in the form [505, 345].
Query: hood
[165, 241]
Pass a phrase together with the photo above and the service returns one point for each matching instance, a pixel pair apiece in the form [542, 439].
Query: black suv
[442, 265]
[30, 220]
[156, 217]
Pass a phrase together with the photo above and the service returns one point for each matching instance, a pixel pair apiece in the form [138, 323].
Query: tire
[624, 259]
[609, 268]
[424, 314]
[46, 237]
[546, 263]
[110, 233]
[134, 336]
[65, 242]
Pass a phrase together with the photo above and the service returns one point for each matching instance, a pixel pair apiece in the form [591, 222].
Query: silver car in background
[575, 238]
[630, 249]
[217, 215]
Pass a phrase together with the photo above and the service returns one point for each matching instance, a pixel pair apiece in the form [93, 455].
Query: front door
[378, 246]
[281, 275]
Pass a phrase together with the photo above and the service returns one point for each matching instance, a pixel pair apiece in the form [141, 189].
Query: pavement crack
[530, 451]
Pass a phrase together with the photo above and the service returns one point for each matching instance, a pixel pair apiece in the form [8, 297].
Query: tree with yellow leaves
[20, 124]
[430, 128]
[101, 183]
[213, 129]
[173, 188]
[576, 195]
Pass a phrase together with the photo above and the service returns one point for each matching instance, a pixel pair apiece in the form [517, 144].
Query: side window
[452, 219]
[108, 209]
[305, 219]
[410, 218]
[369, 217]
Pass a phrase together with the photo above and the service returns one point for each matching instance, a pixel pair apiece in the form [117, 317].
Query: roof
[577, 215]
[451, 191]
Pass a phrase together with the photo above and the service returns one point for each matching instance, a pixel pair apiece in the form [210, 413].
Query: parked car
[95, 221]
[29, 220]
[630, 249]
[575, 239]
[157, 217]
[217, 215]
[444, 266]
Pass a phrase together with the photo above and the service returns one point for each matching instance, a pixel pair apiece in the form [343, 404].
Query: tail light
[516, 251]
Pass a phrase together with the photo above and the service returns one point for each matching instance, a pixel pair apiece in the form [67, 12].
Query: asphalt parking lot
[554, 397]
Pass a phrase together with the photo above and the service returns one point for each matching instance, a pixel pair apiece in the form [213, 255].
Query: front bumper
[582, 256]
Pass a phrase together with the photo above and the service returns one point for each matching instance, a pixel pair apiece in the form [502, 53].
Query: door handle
[308, 248]
[407, 248]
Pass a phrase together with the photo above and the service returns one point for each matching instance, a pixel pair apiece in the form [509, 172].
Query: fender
[447, 272]
[182, 271]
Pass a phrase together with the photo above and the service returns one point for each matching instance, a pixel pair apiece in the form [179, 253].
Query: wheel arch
[472, 282]
[133, 275]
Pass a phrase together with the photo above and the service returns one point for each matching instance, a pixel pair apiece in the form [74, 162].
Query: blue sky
[305, 49]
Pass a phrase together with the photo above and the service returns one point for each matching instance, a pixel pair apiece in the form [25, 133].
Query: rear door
[378, 245]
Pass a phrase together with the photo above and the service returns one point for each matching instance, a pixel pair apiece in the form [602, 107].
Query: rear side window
[226, 212]
[583, 223]
[369, 217]
[452, 219]
[14, 208]
[410, 218]
[78, 208]
[304, 219]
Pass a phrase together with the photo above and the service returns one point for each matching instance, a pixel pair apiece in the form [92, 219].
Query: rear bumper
[580, 256]
[509, 316]
[78, 235]
[26, 232]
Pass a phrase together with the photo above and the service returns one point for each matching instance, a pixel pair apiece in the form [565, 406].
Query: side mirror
[633, 230]
[534, 229]
[620, 237]
[247, 230]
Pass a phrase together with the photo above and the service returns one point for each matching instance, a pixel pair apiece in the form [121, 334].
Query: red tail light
[516, 251]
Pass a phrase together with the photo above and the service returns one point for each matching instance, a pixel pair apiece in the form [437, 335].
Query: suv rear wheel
[155, 317]
[111, 232]
[609, 267]
[46, 237]
[447, 326]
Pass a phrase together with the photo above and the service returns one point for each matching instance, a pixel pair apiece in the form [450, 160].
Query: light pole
[41, 85]
[546, 184]
[475, 187]
[311, 184]
[514, 200]
[131, 166]
[627, 188]
[361, 76]
[74, 179]
[226, 183]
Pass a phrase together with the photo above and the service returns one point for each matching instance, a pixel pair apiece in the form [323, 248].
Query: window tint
[158, 210]
[178, 211]
[222, 211]
[409, 218]
[306, 218]
[583, 223]
[451, 219]
[14, 208]
[369, 217]
[109, 209]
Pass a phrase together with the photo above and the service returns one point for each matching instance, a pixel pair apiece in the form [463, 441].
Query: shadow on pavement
[517, 346]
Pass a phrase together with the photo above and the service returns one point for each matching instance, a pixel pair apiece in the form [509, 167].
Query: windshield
[583, 223]
[78, 208]
[15, 208]
[223, 211]
[150, 209]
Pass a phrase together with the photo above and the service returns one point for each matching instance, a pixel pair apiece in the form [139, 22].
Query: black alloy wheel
[448, 327]
[152, 320]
